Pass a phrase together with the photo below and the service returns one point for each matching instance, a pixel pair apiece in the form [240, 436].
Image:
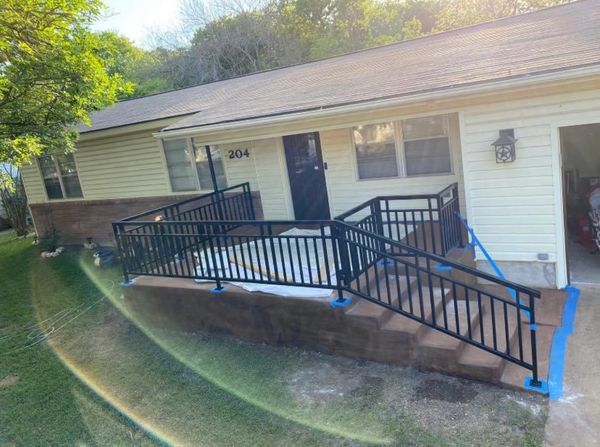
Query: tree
[52, 75]
[459, 13]
[13, 198]
[142, 68]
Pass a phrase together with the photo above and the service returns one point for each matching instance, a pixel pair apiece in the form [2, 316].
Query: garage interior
[580, 147]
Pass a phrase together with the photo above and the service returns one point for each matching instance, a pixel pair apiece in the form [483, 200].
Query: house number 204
[239, 153]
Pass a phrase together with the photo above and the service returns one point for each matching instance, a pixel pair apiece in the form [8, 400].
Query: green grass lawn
[76, 369]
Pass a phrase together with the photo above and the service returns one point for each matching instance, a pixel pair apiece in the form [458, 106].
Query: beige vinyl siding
[126, 166]
[273, 182]
[34, 185]
[516, 208]
[265, 170]
[346, 190]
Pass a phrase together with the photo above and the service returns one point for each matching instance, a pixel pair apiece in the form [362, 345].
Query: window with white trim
[423, 145]
[376, 150]
[59, 173]
[188, 167]
[426, 145]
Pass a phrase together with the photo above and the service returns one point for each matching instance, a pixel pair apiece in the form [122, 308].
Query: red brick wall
[77, 220]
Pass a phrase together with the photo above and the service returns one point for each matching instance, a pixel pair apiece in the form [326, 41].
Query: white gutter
[527, 80]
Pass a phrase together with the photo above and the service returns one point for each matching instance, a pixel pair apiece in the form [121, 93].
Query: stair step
[412, 303]
[399, 324]
[373, 314]
[370, 312]
[437, 346]
[484, 365]
[513, 375]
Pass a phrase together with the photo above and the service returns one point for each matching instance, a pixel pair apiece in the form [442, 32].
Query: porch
[390, 280]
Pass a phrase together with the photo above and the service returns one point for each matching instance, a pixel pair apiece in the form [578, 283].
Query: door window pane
[375, 151]
[426, 145]
[179, 165]
[204, 170]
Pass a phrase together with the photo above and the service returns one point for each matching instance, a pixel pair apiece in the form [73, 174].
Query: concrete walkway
[574, 420]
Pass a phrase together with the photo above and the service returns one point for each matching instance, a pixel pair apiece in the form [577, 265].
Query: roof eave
[439, 94]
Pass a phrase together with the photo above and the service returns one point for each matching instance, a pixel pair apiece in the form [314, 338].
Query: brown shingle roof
[552, 39]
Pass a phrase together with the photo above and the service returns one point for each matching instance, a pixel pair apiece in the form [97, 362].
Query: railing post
[378, 218]
[250, 200]
[456, 213]
[213, 255]
[441, 223]
[118, 230]
[535, 381]
[343, 267]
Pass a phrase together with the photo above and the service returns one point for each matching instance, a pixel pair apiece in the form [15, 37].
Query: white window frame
[192, 150]
[400, 152]
[60, 178]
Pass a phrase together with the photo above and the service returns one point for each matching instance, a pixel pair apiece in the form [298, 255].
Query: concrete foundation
[532, 274]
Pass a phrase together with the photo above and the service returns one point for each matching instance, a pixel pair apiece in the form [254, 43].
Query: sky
[135, 18]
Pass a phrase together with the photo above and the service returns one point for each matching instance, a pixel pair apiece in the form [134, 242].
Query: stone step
[439, 349]
[484, 365]
[513, 375]
[373, 314]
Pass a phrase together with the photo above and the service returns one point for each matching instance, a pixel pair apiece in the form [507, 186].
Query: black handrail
[165, 210]
[425, 221]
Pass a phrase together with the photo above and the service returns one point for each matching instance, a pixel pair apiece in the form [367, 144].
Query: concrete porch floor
[574, 419]
[584, 267]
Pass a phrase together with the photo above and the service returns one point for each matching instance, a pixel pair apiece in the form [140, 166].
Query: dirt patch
[446, 391]
[9, 381]
[467, 412]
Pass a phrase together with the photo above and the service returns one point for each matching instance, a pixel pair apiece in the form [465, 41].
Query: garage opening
[580, 147]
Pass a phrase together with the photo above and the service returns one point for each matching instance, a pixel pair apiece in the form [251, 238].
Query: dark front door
[307, 179]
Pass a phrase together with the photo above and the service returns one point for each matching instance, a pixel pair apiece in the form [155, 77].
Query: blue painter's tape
[442, 267]
[384, 261]
[541, 388]
[343, 303]
[558, 351]
[127, 283]
[218, 290]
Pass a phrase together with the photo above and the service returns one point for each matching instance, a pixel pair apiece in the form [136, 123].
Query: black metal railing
[141, 235]
[425, 221]
[357, 257]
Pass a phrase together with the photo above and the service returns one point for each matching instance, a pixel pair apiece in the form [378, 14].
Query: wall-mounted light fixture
[505, 146]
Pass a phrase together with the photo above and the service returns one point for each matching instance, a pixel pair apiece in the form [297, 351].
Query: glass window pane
[431, 156]
[50, 176]
[204, 169]
[53, 188]
[376, 151]
[431, 126]
[48, 167]
[72, 186]
[68, 172]
[66, 164]
[179, 165]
